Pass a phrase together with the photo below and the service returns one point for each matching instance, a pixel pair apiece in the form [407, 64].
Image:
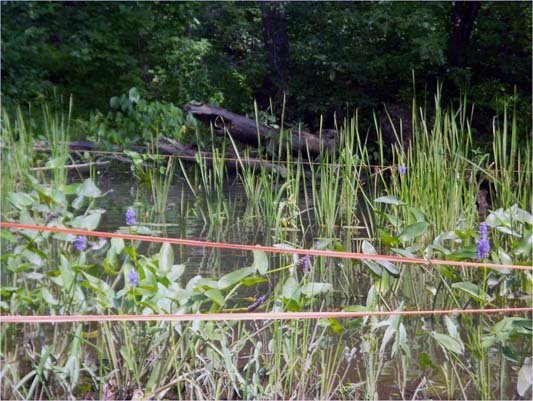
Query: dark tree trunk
[277, 52]
[463, 16]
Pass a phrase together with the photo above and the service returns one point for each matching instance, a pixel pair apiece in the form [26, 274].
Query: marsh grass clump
[420, 203]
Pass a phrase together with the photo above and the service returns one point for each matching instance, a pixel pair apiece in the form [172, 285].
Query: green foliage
[341, 54]
[133, 119]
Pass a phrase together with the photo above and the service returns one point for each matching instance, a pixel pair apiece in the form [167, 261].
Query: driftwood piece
[247, 131]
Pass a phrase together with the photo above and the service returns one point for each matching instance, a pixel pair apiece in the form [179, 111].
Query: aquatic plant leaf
[88, 189]
[525, 246]
[464, 253]
[375, 265]
[451, 327]
[215, 295]
[312, 289]
[291, 289]
[7, 235]
[260, 262]
[449, 343]
[175, 272]
[507, 230]
[388, 239]
[254, 280]
[417, 214]
[166, 258]
[57, 162]
[235, 276]
[390, 200]
[413, 231]
[48, 297]
[88, 222]
[424, 361]
[20, 200]
[473, 290]
[525, 378]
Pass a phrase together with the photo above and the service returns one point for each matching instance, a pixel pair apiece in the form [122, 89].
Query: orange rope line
[271, 249]
[245, 316]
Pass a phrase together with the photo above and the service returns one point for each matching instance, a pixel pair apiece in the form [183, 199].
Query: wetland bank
[248, 124]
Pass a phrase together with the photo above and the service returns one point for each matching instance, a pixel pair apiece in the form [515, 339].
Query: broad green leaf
[507, 230]
[254, 280]
[88, 189]
[48, 297]
[504, 259]
[449, 343]
[451, 327]
[260, 262]
[175, 272]
[525, 378]
[413, 231]
[235, 276]
[312, 289]
[390, 200]
[387, 239]
[464, 253]
[417, 214]
[473, 290]
[166, 258]
[20, 200]
[525, 246]
[215, 295]
[88, 222]
[291, 289]
[69, 189]
[375, 265]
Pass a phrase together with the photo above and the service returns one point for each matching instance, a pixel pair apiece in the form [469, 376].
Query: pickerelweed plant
[292, 201]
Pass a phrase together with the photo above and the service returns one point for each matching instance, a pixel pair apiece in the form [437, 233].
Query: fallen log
[170, 147]
[250, 132]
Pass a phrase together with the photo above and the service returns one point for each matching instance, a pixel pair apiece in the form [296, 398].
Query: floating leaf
[235, 276]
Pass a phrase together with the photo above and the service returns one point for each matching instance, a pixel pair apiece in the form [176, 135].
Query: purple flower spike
[259, 301]
[304, 264]
[403, 169]
[80, 243]
[133, 278]
[131, 217]
[483, 244]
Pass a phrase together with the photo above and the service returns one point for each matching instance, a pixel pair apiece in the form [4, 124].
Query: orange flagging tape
[246, 316]
[222, 245]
